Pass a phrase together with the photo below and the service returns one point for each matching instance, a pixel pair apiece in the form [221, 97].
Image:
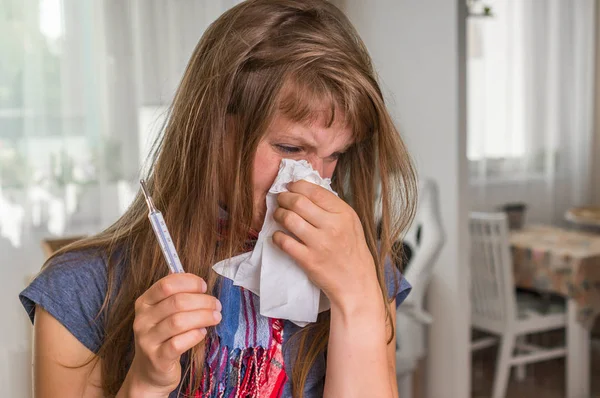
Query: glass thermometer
[162, 233]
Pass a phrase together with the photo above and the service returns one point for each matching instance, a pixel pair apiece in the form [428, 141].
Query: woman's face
[321, 146]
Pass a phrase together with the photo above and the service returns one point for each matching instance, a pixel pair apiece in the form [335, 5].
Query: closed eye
[288, 149]
[336, 156]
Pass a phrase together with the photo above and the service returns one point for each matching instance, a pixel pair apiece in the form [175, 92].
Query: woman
[270, 79]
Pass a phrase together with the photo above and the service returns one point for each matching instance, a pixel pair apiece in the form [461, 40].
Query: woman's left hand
[331, 249]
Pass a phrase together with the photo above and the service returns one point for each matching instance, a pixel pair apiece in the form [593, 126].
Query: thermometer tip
[147, 195]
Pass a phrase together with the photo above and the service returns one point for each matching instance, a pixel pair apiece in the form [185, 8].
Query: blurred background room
[498, 101]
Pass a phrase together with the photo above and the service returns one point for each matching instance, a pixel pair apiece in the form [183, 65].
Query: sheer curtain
[83, 89]
[530, 105]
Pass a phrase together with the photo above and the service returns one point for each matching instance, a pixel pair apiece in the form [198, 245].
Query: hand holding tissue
[284, 289]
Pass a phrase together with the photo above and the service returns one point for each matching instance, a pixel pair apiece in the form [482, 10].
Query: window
[507, 114]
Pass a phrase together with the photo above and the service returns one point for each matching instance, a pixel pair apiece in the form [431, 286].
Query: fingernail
[217, 315]
[203, 330]
[219, 306]
[204, 287]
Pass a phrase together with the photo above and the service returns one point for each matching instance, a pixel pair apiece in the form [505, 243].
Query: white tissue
[284, 289]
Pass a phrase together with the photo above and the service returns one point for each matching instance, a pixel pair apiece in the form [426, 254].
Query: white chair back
[493, 300]
[425, 238]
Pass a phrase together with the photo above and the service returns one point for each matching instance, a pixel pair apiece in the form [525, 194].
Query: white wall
[596, 154]
[15, 332]
[546, 202]
[537, 194]
[418, 49]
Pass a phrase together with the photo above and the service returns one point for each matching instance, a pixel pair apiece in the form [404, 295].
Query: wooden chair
[496, 307]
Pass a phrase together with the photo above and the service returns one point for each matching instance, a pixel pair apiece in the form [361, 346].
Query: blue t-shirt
[73, 287]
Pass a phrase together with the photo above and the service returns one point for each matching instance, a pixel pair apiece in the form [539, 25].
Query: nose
[317, 164]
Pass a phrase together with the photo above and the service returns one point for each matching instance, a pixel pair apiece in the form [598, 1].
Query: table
[588, 216]
[566, 262]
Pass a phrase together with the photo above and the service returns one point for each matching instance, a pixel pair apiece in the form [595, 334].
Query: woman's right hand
[170, 318]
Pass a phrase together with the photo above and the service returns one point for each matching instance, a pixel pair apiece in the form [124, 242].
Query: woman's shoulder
[72, 288]
[79, 261]
[77, 271]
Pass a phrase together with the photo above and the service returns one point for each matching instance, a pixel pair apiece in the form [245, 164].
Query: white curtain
[530, 105]
[81, 84]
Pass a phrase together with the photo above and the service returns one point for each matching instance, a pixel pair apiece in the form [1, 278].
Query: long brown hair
[259, 58]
